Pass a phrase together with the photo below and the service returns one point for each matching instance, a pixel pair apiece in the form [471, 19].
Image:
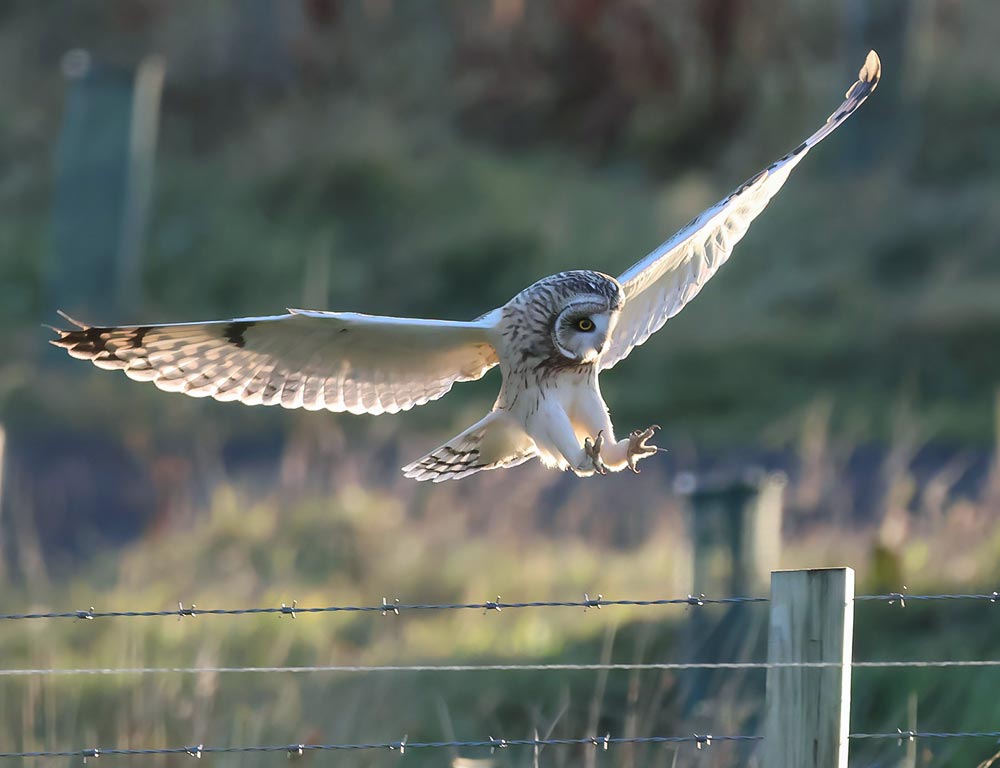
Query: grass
[354, 546]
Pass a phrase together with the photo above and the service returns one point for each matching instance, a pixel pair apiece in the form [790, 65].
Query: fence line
[805, 581]
[903, 597]
[362, 668]
[601, 742]
[395, 607]
[386, 607]
[902, 736]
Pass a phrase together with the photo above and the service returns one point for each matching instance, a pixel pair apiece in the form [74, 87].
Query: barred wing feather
[336, 361]
[660, 285]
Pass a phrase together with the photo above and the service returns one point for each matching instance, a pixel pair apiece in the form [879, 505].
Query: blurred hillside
[852, 338]
[488, 144]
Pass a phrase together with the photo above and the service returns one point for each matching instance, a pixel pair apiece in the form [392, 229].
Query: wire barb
[296, 750]
[601, 742]
[88, 615]
[195, 751]
[702, 742]
[490, 605]
[182, 611]
[898, 596]
[496, 744]
[905, 736]
[387, 609]
[588, 603]
[399, 745]
[289, 610]
[696, 601]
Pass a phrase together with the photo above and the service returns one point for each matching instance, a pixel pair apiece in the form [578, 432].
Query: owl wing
[660, 285]
[305, 359]
[498, 440]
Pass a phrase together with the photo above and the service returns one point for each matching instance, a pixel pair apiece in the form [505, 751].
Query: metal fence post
[807, 710]
[3, 464]
[734, 526]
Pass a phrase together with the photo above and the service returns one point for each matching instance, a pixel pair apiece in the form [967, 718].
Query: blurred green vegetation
[357, 546]
[471, 157]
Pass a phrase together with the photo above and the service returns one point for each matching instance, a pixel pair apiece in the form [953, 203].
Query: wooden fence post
[808, 708]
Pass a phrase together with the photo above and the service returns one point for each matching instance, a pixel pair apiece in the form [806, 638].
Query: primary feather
[336, 361]
[660, 285]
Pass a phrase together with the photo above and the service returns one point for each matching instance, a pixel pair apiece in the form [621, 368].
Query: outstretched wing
[657, 287]
[305, 359]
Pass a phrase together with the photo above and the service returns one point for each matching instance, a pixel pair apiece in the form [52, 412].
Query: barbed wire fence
[799, 668]
[395, 607]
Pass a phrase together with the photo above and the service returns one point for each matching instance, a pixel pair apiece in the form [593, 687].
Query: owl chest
[529, 391]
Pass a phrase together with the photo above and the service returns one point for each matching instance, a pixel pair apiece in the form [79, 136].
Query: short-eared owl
[551, 342]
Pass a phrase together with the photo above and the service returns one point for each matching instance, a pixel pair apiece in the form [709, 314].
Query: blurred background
[832, 396]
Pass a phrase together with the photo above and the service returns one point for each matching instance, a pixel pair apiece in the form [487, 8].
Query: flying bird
[551, 342]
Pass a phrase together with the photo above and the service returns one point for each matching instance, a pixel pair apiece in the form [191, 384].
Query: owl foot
[592, 451]
[639, 449]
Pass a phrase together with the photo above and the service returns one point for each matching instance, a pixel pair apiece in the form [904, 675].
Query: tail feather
[493, 442]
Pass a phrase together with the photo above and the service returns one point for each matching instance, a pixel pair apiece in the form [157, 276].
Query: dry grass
[541, 538]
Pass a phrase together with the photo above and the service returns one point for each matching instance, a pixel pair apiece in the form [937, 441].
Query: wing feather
[303, 359]
[657, 287]
[495, 441]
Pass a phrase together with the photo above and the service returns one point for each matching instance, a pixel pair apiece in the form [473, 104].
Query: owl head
[586, 315]
[581, 329]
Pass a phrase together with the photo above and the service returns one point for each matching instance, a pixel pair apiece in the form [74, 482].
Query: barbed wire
[901, 735]
[493, 744]
[401, 746]
[414, 668]
[386, 607]
[395, 607]
[903, 597]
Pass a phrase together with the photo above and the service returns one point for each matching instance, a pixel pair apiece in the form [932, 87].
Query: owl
[551, 343]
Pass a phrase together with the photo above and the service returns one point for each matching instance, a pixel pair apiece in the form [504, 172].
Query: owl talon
[592, 449]
[638, 448]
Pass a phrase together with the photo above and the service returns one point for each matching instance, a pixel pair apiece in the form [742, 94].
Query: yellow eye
[585, 324]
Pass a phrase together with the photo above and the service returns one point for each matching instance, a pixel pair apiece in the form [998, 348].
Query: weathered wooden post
[807, 709]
